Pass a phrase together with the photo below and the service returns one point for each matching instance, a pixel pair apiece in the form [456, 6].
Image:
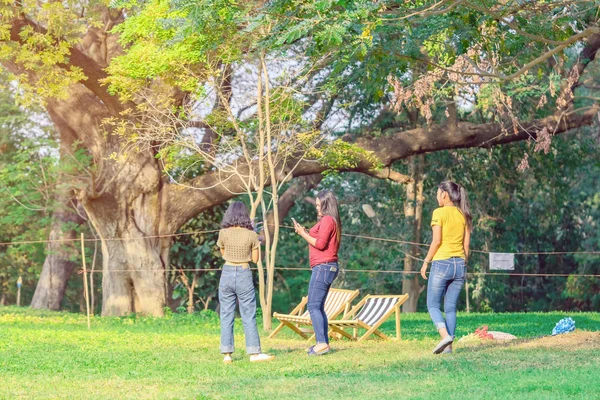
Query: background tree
[367, 61]
[28, 172]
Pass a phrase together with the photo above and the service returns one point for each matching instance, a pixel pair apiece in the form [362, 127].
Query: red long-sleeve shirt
[326, 248]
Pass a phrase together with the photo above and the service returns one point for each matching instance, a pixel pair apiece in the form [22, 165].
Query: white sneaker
[261, 357]
[227, 359]
[445, 342]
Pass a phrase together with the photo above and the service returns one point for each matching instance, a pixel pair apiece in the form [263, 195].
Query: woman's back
[453, 225]
[237, 244]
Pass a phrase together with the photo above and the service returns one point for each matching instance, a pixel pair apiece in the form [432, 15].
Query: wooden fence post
[85, 283]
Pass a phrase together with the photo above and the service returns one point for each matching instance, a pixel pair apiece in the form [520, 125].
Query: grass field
[53, 355]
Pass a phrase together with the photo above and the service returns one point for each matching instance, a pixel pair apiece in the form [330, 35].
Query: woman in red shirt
[324, 241]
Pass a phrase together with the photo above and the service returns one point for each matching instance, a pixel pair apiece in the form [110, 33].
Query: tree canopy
[163, 98]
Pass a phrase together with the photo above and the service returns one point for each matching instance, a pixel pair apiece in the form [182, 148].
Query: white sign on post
[502, 261]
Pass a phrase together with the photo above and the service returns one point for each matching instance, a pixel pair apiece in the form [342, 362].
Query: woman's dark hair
[329, 206]
[458, 195]
[237, 215]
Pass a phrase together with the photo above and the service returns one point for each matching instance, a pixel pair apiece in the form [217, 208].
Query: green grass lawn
[53, 355]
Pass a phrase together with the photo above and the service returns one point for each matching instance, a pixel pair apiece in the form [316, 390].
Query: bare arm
[221, 244]
[467, 242]
[436, 242]
[255, 255]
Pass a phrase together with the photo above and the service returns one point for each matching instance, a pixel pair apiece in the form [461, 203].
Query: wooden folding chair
[337, 302]
[369, 314]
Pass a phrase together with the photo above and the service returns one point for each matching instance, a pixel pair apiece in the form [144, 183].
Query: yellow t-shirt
[453, 225]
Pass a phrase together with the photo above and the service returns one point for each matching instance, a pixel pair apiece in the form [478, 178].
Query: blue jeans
[446, 279]
[321, 278]
[236, 284]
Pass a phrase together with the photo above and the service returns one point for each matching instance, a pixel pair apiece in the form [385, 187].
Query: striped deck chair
[337, 302]
[369, 314]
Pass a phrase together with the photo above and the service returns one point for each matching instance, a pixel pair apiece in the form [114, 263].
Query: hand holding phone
[297, 227]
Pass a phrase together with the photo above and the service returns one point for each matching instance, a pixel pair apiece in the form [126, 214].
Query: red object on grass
[483, 332]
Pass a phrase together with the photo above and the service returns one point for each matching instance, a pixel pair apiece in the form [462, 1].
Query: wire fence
[84, 271]
[357, 236]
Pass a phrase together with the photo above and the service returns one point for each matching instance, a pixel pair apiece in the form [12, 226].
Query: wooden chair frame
[338, 326]
[295, 319]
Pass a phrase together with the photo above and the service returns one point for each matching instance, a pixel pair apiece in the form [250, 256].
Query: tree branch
[78, 59]
[189, 202]
[291, 195]
[388, 173]
[589, 32]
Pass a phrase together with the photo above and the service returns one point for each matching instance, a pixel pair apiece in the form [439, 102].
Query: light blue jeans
[321, 278]
[446, 280]
[236, 284]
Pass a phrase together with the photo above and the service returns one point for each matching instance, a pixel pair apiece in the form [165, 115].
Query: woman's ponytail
[458, 196]
[465, 208]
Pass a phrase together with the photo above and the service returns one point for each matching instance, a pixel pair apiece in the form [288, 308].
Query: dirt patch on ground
[578, 340]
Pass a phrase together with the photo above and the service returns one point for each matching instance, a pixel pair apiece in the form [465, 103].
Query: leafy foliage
[197, 251]
[27, 175]
[553, 206]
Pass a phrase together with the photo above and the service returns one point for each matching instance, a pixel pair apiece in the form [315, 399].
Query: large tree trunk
[62, 257]
[134, 259]
[413, 213]
[62, 254]
[126, 202]
[134, 276]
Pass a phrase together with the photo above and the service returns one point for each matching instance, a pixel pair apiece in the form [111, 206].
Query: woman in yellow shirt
[452, 225]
